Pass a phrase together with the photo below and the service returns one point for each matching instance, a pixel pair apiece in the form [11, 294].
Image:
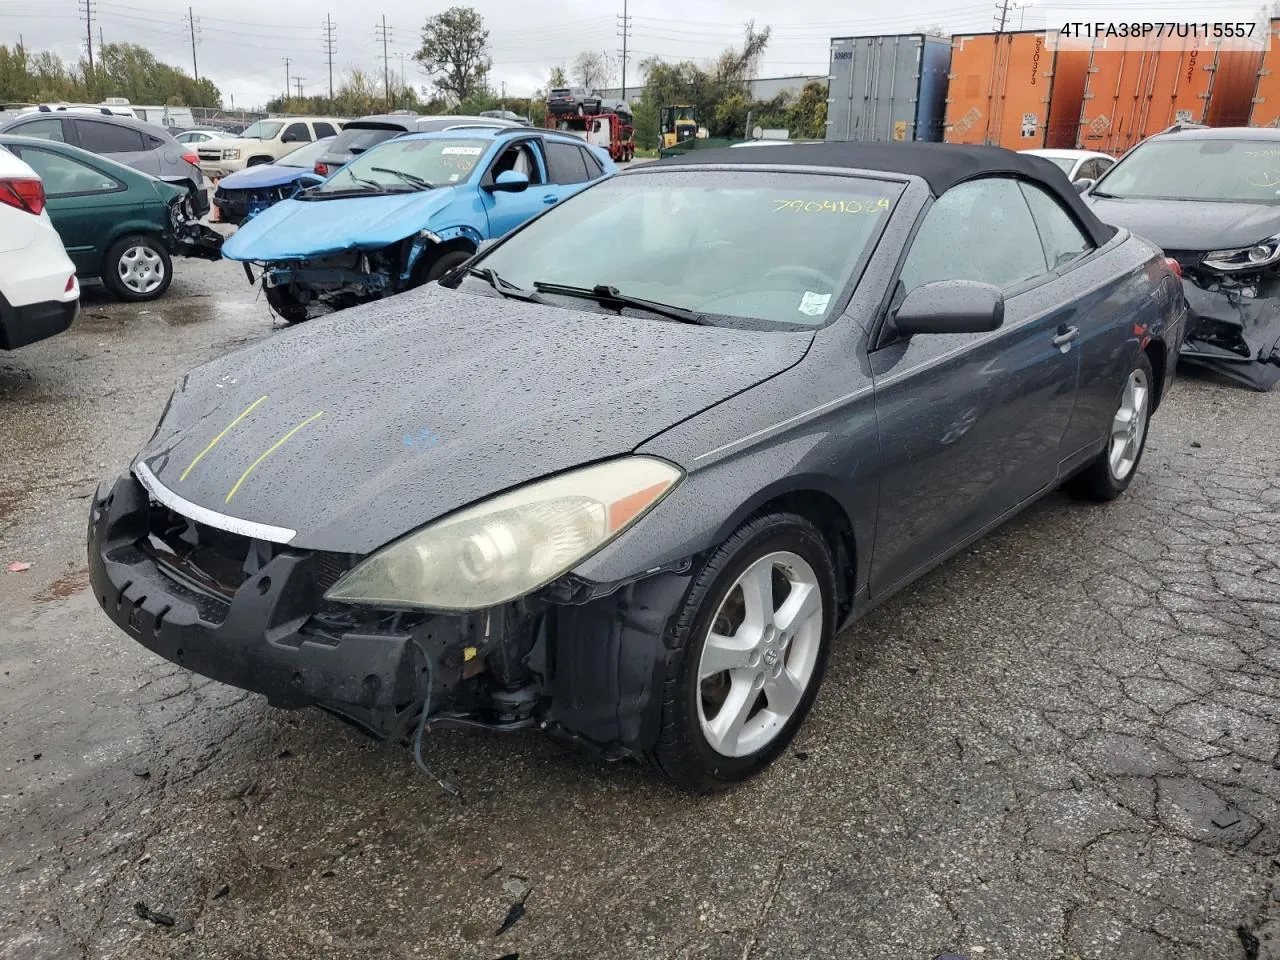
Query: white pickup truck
[265, 141]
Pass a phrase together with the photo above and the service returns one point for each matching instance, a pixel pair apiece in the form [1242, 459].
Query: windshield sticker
[454, 177]
[814, 304]
[869, 205]
[461, 151]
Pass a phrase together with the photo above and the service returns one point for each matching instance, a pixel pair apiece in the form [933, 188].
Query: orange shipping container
[1133, 92]
[1011, 90]
[1266, 101]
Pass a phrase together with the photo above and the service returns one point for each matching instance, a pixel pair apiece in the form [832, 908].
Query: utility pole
[383, 33]
[624, 31]
[329, 46]
[101, 43]
[87, 7]
[504, 94]
[193, 22]
[286, 80]
[298, 83]
[1003, 14]
[402, 57]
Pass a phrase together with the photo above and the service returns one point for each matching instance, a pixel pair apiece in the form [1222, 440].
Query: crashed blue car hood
[300, 229]
[264, 175]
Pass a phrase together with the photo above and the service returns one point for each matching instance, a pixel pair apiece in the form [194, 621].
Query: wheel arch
[130, 228]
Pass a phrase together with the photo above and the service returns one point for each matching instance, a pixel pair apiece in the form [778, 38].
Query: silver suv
[143, 146]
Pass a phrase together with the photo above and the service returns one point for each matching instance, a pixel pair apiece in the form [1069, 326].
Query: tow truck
[612, 131]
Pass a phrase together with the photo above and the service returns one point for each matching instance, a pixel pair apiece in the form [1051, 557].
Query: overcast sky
[242, 43]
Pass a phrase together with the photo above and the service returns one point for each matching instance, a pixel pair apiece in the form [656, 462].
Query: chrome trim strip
[220, 521]
[820, 409]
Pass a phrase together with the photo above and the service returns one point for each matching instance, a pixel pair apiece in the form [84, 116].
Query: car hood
[1190, 224]
[300, 229]
[263, 175]
[358, 428]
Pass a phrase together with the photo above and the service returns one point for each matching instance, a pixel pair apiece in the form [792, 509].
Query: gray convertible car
[625, 475]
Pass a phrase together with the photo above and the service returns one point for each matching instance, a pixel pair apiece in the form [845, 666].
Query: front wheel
[443, 264]
[137, 268]
[288, 306]
[1110, 474]
[755, 633]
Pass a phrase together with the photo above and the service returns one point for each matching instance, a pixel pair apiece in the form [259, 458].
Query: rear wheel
[755, 633]
[137, 268]
[1110, 474]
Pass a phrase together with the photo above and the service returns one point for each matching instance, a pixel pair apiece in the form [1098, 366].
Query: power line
[329, 46]
[194, 23]
[1002, 15]
[383, 33]
[624, 24]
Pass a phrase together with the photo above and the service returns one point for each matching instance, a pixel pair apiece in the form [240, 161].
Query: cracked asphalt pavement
[1061, 744]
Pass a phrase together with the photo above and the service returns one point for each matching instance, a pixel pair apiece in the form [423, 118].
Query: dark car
[573, 100]
[242, 196]
[117, 224]
[359, 135]
[1211, 199]
[625, 477]
[143, 146]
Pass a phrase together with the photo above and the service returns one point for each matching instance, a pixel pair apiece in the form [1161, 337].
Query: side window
[518, 157]
[63, 176]
[564, 163]
[45, 129]
[324, 129]
[154, 143]
[594, 169]
[1088, 170]
[1104, 166]
[1062, 239]
[99, 137]
[980, 230]
[296, 133]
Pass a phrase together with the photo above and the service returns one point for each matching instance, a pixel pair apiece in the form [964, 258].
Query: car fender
[427, 238]
[157, 226]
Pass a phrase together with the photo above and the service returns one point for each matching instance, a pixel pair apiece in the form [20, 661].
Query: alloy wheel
[760, 652]
[1129, 427]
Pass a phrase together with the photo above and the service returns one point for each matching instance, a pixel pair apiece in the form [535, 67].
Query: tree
[121, 70]
[455, 52]
[934, 30]
[592, 69]
[807, 116]
[559, 79]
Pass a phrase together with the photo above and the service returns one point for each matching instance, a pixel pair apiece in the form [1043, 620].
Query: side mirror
[1083, 184]
[951, 306]
[511, 181]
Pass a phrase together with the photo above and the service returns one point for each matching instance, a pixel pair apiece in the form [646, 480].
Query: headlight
[1245, 258]
[511, 544]
[230, 154]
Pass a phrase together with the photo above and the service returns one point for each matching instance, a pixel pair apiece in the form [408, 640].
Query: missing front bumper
[1233, 334]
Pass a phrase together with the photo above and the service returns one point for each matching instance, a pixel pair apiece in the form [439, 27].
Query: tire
[768, 550]
[1111, 472]
[288, 307]
[444, 263]
[137, 268]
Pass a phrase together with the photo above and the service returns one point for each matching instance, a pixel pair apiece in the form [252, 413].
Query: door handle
[550, 198]
[1065, 337]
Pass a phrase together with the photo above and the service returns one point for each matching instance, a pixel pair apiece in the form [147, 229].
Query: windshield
[262, 130]
[360, 139]
[1228, 170]
[773, 250]
[435, 162]
[308, 155]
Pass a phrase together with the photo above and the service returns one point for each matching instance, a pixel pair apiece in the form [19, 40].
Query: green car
[117, 223]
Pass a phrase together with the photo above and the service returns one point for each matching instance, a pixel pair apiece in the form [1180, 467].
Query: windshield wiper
[504, 287]
[606, 295]
[369, 183]
[410, 178]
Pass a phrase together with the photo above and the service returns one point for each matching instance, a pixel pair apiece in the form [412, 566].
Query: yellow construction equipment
[679, 123]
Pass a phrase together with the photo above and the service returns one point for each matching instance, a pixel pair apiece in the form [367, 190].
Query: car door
[83, 203]
[295, 135]
[567, 171]
[506, 211]
[121, 143]
[970, 424]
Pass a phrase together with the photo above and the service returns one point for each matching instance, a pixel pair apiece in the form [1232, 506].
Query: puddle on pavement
[67, 585]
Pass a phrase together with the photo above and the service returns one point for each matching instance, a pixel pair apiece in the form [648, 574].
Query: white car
[1077, 164]
[39, 292]
[200, 135]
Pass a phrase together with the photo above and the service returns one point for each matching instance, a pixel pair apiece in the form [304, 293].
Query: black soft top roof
[941, 165]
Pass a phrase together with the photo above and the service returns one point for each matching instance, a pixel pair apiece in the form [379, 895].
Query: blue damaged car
[406, 212]
[243, 195]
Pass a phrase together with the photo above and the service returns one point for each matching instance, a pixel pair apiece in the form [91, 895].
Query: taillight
[71, 282]
[192, 158]
[322, 169]
[1175, 266]
[23, 193]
